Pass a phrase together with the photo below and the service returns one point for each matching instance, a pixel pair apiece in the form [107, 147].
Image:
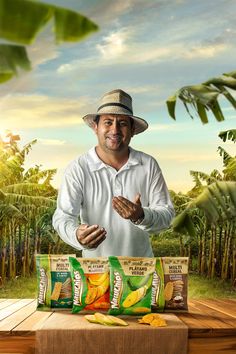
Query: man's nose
[115, 127]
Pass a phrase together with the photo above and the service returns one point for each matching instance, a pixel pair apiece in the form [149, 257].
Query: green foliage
[203, 288]
[165, 248]
[22, 20]
[203, 97]
[228, 135]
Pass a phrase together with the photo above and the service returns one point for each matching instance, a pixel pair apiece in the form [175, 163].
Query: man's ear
[95, 127]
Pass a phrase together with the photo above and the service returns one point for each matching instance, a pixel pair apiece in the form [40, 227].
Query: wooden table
[211, 326]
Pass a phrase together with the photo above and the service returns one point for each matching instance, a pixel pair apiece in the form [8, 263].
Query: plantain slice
[91, 318]
[117, 321]
[102, 319]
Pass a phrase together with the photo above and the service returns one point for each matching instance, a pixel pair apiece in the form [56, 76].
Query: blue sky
[147, 48]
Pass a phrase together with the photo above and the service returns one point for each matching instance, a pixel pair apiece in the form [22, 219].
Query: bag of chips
[176, 283]
[90, 283]
[131, 285]
[158, 300]
[54, 281]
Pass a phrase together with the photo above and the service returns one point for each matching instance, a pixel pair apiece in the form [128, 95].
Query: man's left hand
[127, 209]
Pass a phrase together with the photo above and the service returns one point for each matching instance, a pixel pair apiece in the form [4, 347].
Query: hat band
[115, 104]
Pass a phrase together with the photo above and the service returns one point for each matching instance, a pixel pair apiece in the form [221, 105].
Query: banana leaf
[228, 135]
[204, 97]
[12, 57]
[171, 102]
[22, 20]
[218, 202]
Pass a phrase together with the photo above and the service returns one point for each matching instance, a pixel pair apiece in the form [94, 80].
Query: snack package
[176, 283]
[54, 281]
[90, 284]
[131, 285]
[158, 300]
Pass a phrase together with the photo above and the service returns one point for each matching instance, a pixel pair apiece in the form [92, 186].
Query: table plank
[221, 345]
[17, 345]
[9, 310]
[32, 323]
[221, 306]
[7, 302]
[7, 324]
[221, 318]
[209, 319]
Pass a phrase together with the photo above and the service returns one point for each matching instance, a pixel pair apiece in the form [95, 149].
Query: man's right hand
[90, 236]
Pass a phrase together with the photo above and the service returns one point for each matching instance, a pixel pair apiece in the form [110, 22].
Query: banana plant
[20, 23]
[204, 97]
[217, 201]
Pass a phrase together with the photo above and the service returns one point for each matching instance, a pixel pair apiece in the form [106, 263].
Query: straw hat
[117, 102]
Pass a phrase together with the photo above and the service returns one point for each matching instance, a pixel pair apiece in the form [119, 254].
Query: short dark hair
[97, 118]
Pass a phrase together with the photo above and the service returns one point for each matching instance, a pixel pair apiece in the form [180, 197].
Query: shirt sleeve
[66, 217]
[160, 211]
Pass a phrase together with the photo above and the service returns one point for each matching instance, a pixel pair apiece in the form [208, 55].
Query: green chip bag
[158, 299]
[90, 284]
[54, 281]
[131, 285]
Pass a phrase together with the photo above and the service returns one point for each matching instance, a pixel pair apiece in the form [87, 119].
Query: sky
[149, 49]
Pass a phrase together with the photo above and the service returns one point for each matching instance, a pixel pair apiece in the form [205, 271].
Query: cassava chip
[153, 319]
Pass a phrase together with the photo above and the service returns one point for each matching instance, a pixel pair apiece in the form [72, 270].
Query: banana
[102, 289]
[98, 281]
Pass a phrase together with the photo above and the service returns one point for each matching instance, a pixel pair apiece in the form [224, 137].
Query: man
[118, 192]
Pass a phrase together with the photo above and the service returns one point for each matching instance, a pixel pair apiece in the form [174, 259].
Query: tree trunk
[4, 255]
[213, 259]
[199, 252]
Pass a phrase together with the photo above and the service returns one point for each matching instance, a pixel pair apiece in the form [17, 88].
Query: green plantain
[135, 283]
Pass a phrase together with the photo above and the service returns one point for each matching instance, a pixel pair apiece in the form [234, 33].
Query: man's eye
[123, 124]
[107, 123]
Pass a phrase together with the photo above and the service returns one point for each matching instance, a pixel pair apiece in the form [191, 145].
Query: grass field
[199, 287]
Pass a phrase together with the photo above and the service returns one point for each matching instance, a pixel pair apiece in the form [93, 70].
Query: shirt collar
[96, 164]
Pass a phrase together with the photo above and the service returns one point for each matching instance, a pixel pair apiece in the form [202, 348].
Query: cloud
[51, 142]
[207, 51]
[169, 127]
[113, 45]
[39, 111]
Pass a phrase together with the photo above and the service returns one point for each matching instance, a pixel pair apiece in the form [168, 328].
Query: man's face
[114, 132]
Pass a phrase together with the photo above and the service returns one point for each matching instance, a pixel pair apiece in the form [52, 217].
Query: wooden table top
[206, 318]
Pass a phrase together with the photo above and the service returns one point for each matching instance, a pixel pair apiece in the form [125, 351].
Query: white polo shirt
[87, 189]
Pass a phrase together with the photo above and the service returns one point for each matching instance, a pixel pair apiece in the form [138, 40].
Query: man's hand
[128, 210]
[90, 236]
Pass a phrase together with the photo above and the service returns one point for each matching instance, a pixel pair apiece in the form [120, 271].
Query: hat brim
[140, 125]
